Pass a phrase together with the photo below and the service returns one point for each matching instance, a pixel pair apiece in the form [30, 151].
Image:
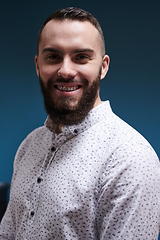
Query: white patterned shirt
[96, 180]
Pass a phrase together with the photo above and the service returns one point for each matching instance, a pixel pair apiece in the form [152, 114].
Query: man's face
[70, 65]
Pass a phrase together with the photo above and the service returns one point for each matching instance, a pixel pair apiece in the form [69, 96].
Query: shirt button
[75, 131]
[32, 213]
[53, 149]
[39, 180]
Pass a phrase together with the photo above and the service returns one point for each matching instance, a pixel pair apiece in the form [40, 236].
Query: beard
[62, 113]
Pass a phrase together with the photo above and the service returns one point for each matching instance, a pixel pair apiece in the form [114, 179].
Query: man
[86, 174]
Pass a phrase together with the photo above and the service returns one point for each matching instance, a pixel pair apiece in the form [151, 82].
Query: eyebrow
[48, 49]
[81, 50]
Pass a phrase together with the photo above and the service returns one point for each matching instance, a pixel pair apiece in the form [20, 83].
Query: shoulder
[120, 131]
[35, 136]
[35, 139]
[125, 145]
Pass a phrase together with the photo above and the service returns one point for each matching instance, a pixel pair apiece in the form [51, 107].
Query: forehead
[70, 32]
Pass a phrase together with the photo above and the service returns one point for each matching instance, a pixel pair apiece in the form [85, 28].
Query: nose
[67, 69]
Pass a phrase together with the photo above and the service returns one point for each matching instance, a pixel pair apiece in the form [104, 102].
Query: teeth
[67, 89]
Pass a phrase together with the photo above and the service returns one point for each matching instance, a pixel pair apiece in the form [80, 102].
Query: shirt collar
[95, 115]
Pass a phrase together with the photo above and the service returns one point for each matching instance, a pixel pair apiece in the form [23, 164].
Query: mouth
[67, 88]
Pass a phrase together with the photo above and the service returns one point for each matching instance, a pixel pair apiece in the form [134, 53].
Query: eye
[82, 58]
[53, 58]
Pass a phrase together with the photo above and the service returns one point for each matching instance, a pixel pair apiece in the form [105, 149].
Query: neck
[97, 102]
[58, 129]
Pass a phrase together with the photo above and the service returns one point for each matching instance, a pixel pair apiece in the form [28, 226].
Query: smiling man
[86, 174]
[70, 64]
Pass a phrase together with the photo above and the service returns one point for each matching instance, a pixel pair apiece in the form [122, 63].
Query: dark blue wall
[132, 32]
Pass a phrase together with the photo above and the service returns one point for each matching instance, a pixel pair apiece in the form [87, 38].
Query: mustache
[67, 80]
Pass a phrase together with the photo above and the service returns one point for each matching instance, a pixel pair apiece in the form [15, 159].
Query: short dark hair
[73, 13]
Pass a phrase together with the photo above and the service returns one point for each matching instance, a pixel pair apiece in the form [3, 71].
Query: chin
[67, 104]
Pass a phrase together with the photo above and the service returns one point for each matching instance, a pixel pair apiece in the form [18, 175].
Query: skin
[69, 53]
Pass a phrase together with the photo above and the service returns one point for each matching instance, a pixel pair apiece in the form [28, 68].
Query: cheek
[47, 72]
[90, 73]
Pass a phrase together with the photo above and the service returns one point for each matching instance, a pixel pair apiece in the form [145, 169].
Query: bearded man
[86, 174]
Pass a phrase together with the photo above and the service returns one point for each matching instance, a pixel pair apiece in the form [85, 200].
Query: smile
[67, 88]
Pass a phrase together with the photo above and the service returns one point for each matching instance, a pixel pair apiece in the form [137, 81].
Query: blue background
[132, 34]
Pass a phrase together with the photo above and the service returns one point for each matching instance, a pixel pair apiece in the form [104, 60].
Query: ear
[37, 65]
[105, 66]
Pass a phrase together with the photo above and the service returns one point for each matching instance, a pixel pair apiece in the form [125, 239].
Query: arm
[129, 206]
[9, 221]
[7, 226]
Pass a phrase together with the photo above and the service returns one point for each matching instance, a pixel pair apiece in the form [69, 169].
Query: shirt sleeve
[8, 223]
[128, 206]
[7, 227]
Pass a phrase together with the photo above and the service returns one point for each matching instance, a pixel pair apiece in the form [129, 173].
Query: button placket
[35, 199]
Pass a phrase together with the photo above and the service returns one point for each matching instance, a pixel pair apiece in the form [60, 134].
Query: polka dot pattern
[96, 180]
